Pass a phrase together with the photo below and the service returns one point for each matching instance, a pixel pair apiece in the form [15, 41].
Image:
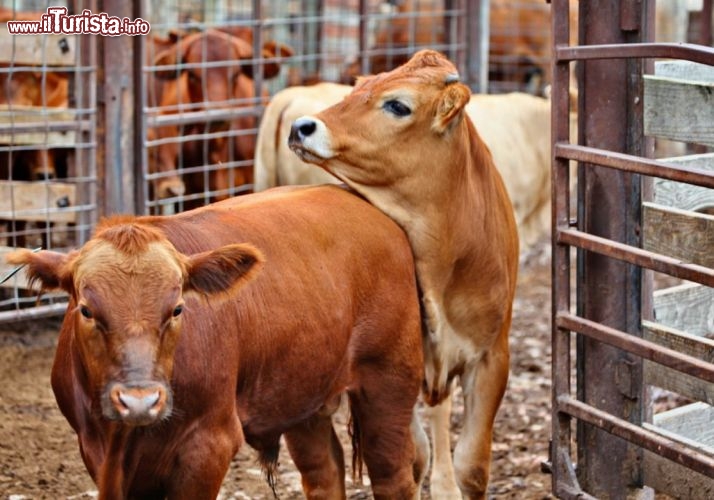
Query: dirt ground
[39, 457]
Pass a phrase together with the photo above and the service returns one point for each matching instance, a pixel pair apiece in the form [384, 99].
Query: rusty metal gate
[636, 224]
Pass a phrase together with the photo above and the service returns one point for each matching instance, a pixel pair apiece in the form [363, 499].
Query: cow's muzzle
[309, 139]
[137, 404]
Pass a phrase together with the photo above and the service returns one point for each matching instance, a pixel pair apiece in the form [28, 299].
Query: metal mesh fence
[47, 139]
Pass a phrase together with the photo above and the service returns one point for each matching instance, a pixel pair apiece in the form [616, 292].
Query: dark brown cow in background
[175, 349]
[519, 41]
[220, 84]
[23, 89]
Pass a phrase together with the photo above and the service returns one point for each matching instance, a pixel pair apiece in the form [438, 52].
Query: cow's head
[215, 82]
[127, 289]
[390, 127]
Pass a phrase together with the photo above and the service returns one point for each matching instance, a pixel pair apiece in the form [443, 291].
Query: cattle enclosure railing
[146, 144]
[626, 338]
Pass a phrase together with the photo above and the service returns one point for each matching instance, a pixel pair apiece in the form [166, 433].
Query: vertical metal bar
[561, 267]
[705, 30]
[609, 291]
[85, 164]
[363, 37]
[117, 112]
[141, 90]
[477, 42]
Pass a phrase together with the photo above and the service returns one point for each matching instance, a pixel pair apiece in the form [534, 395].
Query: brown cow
[164, 367]
[519, 41]
[404, 141]
[212, 87]
[21, 89]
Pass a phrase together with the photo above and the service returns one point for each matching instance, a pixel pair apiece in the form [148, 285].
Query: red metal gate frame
[567, 234]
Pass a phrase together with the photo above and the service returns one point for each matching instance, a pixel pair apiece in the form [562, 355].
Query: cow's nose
[44, 175]
[302, 128]
[138, 405]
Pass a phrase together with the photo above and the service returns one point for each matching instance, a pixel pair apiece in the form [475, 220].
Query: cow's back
[337, 283]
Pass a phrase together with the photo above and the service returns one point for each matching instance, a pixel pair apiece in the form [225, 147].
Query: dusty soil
[39, 457]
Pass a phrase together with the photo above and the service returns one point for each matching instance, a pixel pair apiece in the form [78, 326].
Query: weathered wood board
[681, 234]
[686, 196]
[693, 426]
[679, 103]
[30, 125]
[674, 380]
[37, 50]
[38, 201]
[688, 307]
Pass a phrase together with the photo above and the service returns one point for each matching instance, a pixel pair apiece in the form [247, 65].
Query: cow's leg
[219, 178]
[204, 460]
[442, 480]
[382, 411]
[483, 386]
[421, 464]
[318, 455]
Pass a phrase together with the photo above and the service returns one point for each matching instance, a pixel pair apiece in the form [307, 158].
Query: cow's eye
[397, 108]
[84, 311]
[193, 77]
[177, 311]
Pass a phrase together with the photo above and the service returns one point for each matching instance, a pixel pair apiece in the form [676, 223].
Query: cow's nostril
[307, 128]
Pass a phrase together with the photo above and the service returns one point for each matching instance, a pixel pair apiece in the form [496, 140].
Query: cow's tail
[269, 463]
[357, 443]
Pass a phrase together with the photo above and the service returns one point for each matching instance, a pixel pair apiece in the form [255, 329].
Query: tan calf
[403, 140]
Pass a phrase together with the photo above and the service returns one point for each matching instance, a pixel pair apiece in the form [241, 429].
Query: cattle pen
[92, 126]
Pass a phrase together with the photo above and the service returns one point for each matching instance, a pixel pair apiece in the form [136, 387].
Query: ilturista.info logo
[58, 21]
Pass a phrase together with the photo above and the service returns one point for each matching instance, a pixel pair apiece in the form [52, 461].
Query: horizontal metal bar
[687, 51]
[206, 115]
[48, 126]
[637, 256]
[35, 312]
[649, 350]
[672, 450]
[635, 164]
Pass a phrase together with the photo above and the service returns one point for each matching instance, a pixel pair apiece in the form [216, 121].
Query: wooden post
[116, 112]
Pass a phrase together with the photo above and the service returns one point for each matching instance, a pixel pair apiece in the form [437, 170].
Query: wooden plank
[685, 70]
[37, 50]
[688, 307]
[680, 234]
[673, 380]
[37, 201]
[691, 424]
[686, 196]
[672, 479]
[679, 110]
[29, 125]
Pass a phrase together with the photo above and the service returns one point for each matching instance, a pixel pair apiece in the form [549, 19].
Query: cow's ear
[222, 270]
[451, 105]
[50, 269]
[243, 51]
[271, 50]
[172, 56]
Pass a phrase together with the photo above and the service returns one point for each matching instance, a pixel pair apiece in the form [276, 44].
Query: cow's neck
[112, 480]
[446, 219]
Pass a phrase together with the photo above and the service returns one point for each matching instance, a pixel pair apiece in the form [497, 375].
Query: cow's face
[390, 127]
[126, 312]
